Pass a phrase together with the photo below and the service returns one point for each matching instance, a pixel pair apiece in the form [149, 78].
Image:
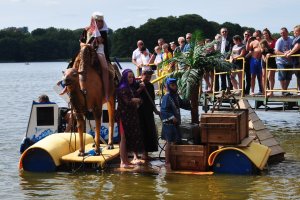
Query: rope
[162, 148]
[72, 130]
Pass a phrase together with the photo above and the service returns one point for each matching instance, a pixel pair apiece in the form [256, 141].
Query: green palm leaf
[199, 59]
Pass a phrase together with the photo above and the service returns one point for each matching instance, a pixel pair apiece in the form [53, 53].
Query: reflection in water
[160, 185]
[42, 185]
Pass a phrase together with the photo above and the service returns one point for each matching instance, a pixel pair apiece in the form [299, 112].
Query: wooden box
[224, 127]
[188, 157]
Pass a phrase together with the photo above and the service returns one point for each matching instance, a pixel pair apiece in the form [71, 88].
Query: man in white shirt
[137, 57]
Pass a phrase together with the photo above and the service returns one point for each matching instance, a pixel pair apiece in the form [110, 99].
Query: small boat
[45, 142]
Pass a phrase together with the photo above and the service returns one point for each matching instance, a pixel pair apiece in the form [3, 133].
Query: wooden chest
[224, 127]
[188, 157]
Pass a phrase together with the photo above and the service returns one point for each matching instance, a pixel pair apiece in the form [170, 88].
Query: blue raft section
[239, 160]
[45, 162]
[233, 162]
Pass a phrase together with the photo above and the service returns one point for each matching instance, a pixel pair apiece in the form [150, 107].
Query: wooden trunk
[188, 157]
[224, 127]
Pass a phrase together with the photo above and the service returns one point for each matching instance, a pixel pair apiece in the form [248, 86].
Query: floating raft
[230, 159]
[59, 148]
[44, 156]
[105, 156]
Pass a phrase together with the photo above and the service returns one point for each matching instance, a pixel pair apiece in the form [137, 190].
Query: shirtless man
[255, 61]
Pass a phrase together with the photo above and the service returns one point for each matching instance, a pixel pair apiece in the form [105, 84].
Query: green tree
[197, 61]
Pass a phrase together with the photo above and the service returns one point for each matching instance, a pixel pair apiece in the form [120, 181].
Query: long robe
[147, 124]
[127, 112]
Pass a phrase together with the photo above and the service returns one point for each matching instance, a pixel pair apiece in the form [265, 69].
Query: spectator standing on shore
[187, 46]
[209, 75]
[283, 46]
[160, 43]
[181, 42]
[238, 51]
[174, 48]
[255, 61]
[268, 36]
[145, 59]
[180, 48]
[267, 51]
[137, 57]
[159, 55]
[225, 47]
[271, 42]
[167, 67]
[296, 50]
[247, 35]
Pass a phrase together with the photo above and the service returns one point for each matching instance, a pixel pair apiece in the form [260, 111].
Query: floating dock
[105, 156]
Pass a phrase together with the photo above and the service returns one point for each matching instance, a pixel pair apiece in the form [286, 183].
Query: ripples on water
[20, 84]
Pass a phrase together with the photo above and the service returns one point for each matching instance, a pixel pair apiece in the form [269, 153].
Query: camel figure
[85, 87]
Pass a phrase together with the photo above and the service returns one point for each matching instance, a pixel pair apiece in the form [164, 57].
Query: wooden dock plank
[277, 149]
[263, 134]
[245, 142]
[253, 117]
[252, 133]
[269, 142]
[258, 125]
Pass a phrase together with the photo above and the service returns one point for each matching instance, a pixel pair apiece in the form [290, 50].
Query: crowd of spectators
[259, 50]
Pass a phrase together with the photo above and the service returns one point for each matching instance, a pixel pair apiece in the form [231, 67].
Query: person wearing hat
[146, 117]
[170, 115]
[96, 36]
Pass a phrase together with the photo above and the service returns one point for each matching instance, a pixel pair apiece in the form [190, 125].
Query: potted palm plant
[200, 59]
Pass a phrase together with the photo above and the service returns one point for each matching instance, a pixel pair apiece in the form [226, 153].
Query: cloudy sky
[73, 14]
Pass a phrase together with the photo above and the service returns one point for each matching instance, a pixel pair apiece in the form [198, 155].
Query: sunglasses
[188, 38]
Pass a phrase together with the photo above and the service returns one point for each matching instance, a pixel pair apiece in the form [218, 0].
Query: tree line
[52, 44]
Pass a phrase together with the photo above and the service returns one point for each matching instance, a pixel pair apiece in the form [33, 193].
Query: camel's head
[71, 77]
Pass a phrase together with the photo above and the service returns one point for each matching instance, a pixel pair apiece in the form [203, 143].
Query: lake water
[20, 84]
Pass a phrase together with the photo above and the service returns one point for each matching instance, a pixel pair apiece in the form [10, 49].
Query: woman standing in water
[128, 118]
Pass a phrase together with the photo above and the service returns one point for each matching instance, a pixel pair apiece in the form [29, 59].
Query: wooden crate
[188, 157]
[243, 115]
[224, 127]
